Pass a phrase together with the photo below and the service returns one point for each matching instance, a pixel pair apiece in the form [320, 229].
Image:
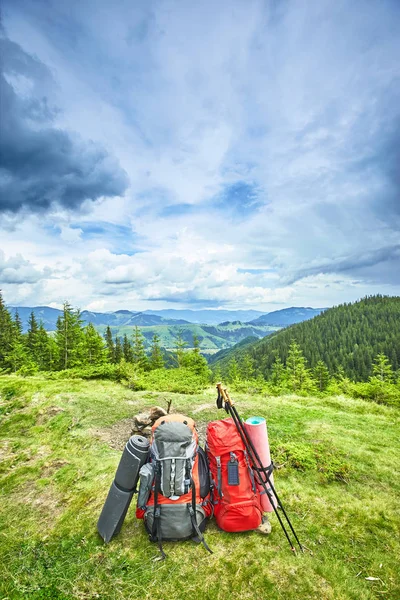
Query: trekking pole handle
[224, 393]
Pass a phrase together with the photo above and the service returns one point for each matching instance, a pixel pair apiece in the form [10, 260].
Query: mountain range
[212, 331]
[127, 318]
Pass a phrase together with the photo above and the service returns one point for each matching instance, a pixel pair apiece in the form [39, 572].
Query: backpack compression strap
[156, 531]
[192, 512]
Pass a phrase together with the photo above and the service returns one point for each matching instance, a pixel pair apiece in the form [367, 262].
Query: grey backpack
[174, 492]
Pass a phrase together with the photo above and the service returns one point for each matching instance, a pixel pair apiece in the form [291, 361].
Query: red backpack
[236, 501]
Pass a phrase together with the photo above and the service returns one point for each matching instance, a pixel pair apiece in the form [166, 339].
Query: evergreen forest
[352, 349]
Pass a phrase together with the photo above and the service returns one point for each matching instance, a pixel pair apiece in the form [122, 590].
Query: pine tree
[278, 373]
[195, 361]
[54, 353]
[382, 369]
[42, 354]
[296, 367]
[138, 351]
[70, 338]
[110, 345]
[180, 346]
[17, 357]
[32, 333]
[127, 349]
[118, 350]
[196, 344]
[233, 371]
[156, 357]
[94, 346]
[17, 326]
[6, 334]
[247, 369]
[321, 375]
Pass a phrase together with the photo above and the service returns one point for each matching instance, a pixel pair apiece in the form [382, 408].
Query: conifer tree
[296, 367]
[180, 346]
[247, 369]
[233, 371]
[42, 349]
[195, 361]
[94, 346]
[70, 338]
[17, 357]
[32, 333]
[127, 349]
[278, 373]
[156, 357]
[138, 351]
[321, 375]
[118, 350]
[382, 369]
[17, 326]
[110, 347]
[6, 333]
[54, 353]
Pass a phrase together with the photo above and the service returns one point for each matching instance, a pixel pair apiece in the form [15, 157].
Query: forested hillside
[346, 338]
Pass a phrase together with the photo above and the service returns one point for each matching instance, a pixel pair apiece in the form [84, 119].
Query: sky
[179, 154]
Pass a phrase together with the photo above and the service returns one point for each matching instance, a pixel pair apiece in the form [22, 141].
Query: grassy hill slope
[61, 443]
[347, 336]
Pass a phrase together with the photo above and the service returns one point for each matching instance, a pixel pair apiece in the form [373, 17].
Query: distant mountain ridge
[208, 316]
[288, 316]
[147, 318]
[119, 318]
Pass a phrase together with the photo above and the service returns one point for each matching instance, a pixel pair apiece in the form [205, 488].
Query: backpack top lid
[182, 423]
[223, 437]
[175, 417]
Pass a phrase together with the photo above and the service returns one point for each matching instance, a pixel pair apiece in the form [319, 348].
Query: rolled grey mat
[119, 497]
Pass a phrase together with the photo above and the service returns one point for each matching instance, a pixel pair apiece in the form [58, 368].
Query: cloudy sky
[173, 153]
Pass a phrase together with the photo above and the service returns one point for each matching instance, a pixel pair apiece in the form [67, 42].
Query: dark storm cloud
[41, 165]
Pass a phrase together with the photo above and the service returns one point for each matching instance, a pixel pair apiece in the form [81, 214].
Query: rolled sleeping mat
[256, 428]
[119, 497]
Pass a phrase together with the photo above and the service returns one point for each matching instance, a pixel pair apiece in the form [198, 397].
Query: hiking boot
[265, 526]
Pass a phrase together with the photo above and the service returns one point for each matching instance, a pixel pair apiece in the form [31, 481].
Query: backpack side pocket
[146, 476]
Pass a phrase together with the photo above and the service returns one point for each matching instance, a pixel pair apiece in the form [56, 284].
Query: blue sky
[239, 154]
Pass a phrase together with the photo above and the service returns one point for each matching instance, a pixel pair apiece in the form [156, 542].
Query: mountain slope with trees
[287, 316]
[345, 338]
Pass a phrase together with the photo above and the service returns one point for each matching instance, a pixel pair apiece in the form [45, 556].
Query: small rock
[143, 422]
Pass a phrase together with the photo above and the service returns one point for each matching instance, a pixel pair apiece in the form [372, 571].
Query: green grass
[338, 481]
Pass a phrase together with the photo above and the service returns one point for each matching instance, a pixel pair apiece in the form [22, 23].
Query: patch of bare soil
[6, 451]
[118, 434]
[48, 504]
[115, 436]
[48, 413]
[50, 468]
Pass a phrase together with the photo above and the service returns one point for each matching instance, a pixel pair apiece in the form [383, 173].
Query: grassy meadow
[61, 442]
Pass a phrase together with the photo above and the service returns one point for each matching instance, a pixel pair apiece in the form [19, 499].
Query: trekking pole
[257, 463]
